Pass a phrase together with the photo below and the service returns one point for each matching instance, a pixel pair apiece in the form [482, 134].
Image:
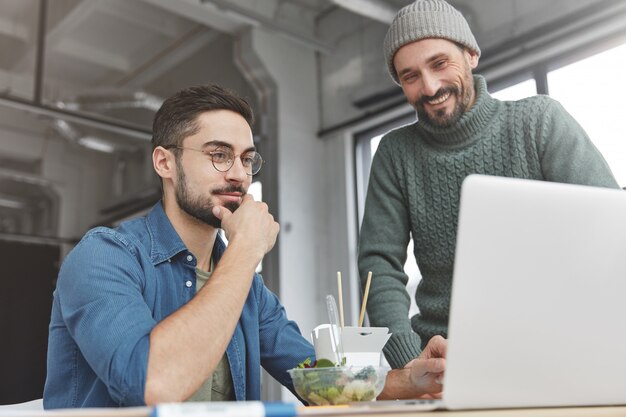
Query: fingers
[251, 222]
[436, 348]
[221, 213]
[224, 213]
[431, 396]
[439, 379]
[421, 367]
[426, 375]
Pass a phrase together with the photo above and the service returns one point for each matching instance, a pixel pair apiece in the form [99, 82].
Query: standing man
[159, 309]
[416, 175]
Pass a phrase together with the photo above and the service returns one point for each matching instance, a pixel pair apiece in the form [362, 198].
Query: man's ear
[163, 162]
[472, 58]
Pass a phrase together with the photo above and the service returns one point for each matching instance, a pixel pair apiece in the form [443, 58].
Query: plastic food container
[338, 385]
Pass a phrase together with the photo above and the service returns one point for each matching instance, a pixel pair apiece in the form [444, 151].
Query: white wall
[300, 162]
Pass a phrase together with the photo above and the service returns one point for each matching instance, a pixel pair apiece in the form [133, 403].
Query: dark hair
[177, 117]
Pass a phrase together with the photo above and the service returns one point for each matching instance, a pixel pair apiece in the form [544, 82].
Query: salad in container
[324, 383]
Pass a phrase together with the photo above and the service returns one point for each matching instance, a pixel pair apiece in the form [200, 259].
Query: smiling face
[436, 77]
[198, 186]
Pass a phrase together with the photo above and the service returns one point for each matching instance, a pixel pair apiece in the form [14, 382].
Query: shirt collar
[165, 240]
[166, 243]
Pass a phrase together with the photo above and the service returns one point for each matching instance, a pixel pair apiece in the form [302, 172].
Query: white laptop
[538, 310]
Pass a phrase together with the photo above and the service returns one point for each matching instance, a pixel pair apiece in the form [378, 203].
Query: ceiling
[118, 58]
[111, 62]
[102, 55]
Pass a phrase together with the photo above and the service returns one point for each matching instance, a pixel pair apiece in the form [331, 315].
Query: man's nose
[237, 172]
[430, 84]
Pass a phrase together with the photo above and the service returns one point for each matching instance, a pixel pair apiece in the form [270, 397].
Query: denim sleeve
[100, 293]
[282, 344]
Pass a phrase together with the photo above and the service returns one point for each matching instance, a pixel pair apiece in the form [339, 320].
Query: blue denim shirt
[113, 289]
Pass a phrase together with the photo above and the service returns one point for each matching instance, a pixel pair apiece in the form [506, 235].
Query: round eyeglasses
[223, 158]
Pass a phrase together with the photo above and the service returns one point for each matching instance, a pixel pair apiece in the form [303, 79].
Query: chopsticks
[365, 295]
[341, 322]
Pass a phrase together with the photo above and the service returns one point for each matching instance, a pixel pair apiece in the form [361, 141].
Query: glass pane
[593, 91]
[518, 91]
[18, 43]
[374, 143]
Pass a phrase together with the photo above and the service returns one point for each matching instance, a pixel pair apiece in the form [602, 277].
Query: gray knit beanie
[426, 19]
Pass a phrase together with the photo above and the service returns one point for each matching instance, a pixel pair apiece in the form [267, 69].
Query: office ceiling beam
[199, 13]
[58, 36]
[83, 52]
[148, 18]
[228, 17]
[169, 58]
[13, 29]
[376, 10]
[257, 19]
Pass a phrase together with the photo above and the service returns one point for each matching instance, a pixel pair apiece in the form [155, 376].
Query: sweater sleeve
[567, 154]
[383, 250]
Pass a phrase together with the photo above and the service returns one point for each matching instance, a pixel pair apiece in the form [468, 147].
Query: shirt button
[189, 258]
[188, 284]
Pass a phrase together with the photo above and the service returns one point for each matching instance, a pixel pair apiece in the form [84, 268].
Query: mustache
[229, 189]
[442, 91]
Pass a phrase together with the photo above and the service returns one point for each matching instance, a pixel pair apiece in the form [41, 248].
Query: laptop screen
[537, 314]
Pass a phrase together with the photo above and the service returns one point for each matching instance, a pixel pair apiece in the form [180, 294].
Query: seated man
[159, 309]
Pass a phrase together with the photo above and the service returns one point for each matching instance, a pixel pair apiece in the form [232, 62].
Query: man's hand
[420, 378]
[251, 223]
[426, 371]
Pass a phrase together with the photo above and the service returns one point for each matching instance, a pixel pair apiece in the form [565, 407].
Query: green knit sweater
[414, 189]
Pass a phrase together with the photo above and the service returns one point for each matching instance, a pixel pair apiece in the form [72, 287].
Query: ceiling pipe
[95, 143]
[111, 101]
[98, 122]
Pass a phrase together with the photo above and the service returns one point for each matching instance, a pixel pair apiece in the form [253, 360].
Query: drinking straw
[340, 299]
[365, 294]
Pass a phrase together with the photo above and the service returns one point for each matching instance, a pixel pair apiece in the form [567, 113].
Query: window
[593, 91]
[518, 91]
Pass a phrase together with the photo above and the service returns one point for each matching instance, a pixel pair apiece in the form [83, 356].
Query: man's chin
[231, 205]
[439, 118]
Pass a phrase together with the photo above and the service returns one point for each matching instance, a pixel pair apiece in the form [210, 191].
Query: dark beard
[440, 118]
[199, 209]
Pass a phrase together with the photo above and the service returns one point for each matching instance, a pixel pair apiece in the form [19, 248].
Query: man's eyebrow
[405, 71]
[217, 143]
[225, 145]
[436, 57]
[429, 60]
